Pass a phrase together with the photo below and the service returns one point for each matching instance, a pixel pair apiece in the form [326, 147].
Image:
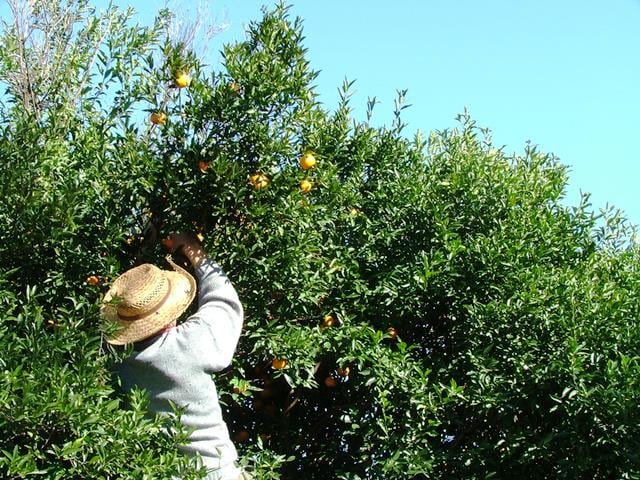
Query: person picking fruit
[172, 361]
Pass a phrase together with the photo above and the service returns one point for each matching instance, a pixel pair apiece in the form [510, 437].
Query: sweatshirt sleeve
[211, 334]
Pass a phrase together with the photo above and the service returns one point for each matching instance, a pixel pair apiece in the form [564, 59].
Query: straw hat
[146, 299]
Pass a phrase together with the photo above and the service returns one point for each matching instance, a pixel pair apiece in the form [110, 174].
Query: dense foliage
[433, 308]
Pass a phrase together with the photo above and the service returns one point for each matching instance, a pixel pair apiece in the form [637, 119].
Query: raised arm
[212, 333]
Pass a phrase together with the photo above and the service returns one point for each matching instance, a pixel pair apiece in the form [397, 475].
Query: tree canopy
[422, 307]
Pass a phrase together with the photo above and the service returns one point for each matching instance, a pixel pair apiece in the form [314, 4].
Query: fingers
[176, 241]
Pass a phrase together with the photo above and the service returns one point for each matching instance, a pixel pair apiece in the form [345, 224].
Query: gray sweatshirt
[177, 365]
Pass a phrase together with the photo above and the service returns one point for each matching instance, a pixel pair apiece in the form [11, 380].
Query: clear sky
[564, 74]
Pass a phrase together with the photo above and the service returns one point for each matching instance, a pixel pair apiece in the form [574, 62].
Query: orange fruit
[167, 243]
[259, 181]
[307, 161]
[328, 321]
[93, 280]
[278, 363]
[158, 118]
[235, 88]
[344, 371]
[202, 165]
[182, 80]
[393, 333]
[306, 185]
[330, 382]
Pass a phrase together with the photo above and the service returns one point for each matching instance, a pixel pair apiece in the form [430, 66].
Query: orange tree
[422, 308]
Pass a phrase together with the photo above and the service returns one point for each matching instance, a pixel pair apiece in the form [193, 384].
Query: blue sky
[563, 74]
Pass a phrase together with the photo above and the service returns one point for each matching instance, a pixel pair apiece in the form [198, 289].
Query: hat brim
[183, 290]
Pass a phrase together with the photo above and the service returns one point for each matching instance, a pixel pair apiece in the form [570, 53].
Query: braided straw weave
[145, 299]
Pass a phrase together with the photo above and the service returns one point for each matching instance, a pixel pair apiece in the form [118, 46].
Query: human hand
[188, 244]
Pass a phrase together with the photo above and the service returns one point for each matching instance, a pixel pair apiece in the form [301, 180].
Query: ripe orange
[167, 243]
[202, 165]
[158, 118]
[393, 333]
[307, 161]
[344, 371]
[259, 181]
[93, 280]
[305, 186]
[278, 363]
[328, 321]
[330, 382]
[183, 79]
[235, 88]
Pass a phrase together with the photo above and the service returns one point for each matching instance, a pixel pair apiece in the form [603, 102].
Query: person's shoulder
[159, 346]
[193, 325]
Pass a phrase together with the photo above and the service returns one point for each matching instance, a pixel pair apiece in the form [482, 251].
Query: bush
[437, 310]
